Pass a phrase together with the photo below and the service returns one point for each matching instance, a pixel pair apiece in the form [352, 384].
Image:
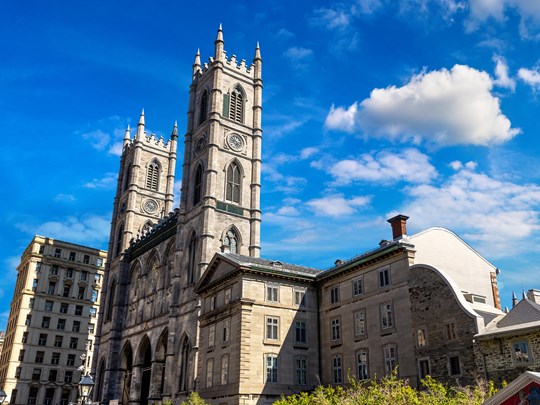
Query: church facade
[188, 304]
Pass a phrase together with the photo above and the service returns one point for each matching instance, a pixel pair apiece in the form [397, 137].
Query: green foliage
[395, 391]
[194, 399]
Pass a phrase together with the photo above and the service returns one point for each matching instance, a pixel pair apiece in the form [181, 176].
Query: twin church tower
[148, 334]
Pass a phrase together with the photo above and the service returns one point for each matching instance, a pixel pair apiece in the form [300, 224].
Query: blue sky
[371, 107]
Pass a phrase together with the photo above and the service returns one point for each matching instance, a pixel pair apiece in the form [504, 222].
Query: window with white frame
[334, 294]
[300, 298]
[300, 331]
[209, 372]
[360, 323]
[357, 287]
[520, 351]
[450, 330]
[211, 335]
[272, 328]
[271, 368]
[272, 293]
[387, 319]
[337, 369]
[384, 277]
[362, 370]
[225, 369]
[300, 370]
[390, 358]
[335, 329]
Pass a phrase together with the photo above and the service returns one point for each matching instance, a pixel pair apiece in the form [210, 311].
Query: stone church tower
[148, 334]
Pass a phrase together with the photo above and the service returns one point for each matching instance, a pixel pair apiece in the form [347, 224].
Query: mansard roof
[247, 264]
[523, 317]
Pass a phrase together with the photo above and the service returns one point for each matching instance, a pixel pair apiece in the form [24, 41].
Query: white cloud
[64, 197]
[284, 33]
[385, 167]
[502, 79]
[337, 205]
[107, 182]
[531, 77]
[296, 53]
[98, 139]
[441, 107]
[116, 148]
[331, 18]
[306, 153]
[290, 125]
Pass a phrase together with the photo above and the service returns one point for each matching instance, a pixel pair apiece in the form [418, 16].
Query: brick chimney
[399, 226]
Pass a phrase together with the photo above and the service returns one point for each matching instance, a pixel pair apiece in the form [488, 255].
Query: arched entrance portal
[126, 365]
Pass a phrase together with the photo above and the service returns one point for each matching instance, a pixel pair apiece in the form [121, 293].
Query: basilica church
[188, 304]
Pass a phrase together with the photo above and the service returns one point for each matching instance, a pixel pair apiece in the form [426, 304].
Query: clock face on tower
[150, 206]
[236, 142]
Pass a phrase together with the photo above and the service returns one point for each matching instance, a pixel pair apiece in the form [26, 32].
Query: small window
[300, 331]
[70, 360]
[233, 183]
[384, 277]
[81, 293]
[38, 267]
[21, 355]
[67, 290]
[360, 323]
[73, 342]
[78, 310]
[86, 259]
[362, 371]
[387, 316]
[93, 312]
[69, 272]
[421, 337]
[31, 303]
[213, 302]
[58, 341]
[300, 298]
[53, 375]
[521, 352]
[272, 293]
[34, 285]
[68, 376]
[24, 337]
[209, 372]
[45, 322]
[357, 287]
[450, 329]
[225, 369]
[337, 369]
[272, 328]
[99, 262]
[211, 335]
[54, 270]
[52, 287]
[57, 253]
[28, 320]
[18, 372]
[152, 176]
[61, 324]
[41, 249]
[226, 330]
[36, 375]
[72, 256]
[271, 368]
[94, 295]
[390, 358]
[197, 188]
[228, 295]
[335, 329]
[203, 111]
[76, 326]
[64, 308]
[83, 276]
[454, 365]
[334, 294]
[423, 368]
[300, 370]
[39, 357]
[55, 360]
[42, 339]
[230, 242]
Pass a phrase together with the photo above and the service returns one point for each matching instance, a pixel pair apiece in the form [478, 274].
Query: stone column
[135, 389]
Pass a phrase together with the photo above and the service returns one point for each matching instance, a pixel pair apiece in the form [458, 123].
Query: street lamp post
[85, 387]
[3, 395]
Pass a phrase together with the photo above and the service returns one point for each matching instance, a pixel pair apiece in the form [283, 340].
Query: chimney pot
[399, 226]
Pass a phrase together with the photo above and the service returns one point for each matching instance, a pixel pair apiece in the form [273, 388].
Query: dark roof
[163, 230]
[275, 266]
[524, 312]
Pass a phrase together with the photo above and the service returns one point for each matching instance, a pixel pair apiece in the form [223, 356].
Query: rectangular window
[68, 376]
[226, 330]
[225, 369]
[38, 267]
[384, 277]
[78, 310]
[390, 358]
[54, 270]
[48, 306]
[39, 357]
[227, 295]
[64, 308]
[362, 371]
[521, 352]
[387, 319]
[271, 368]
[213, 303]
[82, 291]
[41, 249]
[272, 328]
[272, 293]
[61, 324]
[86, 259]
[94, 295]
[55, 359]
[73, 342]
[46, 321]
[421, 337]
[99, 262]
[57, 253]
[33, 393]
[36, 374]
[450, 329]
[88, 345]
[21, 355]
[25, 337]
[357, 287]
[58, 341]
[423, 368]
[42, 339]
[76, 326]
[211, 335]
[360, 323]
[18, 372]
[454, 366]
[93, 312]
[70, 360]
[67, 290]
[300, 298]
[83, 276]
[334, 294]
[31, 303]
[69, 272]
[335, 326]
[337, 370]
[300, 370]
[53, 375]
[52, 287]
[91, 328]
[71, 256]
[34, 285]
[97, 278]
[300, 331]
[209, 372]
[28, 320]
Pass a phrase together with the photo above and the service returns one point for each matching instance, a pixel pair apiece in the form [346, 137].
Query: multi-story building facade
[189, 305]
[51, 326]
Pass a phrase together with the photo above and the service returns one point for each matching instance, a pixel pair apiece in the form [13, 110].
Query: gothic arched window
[203, 112]
[110, 305]
[232, 192]
[152, 176]
[119, 237]
[184, 360]
[191, 258]
[230, 242]
[236, 105]
[127, 177]
[197, 187]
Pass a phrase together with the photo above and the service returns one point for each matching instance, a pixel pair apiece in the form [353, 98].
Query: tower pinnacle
[197, 62]
[174, 134]
[127, 136]
[218, 43]
[140, 125]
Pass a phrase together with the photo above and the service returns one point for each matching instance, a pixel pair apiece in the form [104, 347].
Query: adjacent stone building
[50, 331]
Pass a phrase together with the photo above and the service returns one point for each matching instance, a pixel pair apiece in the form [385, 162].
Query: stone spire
[218, 43]
[174, 134]
[514, 299]
[140, 126]
[127, 136]
[197, 62]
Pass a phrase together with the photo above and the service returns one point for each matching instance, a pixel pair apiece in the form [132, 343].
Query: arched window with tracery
[233, 184]
[152, 176]
[230, 242]
[119, 239]
[233, 105]
[203, 112]
[197, 185]
[192, 263]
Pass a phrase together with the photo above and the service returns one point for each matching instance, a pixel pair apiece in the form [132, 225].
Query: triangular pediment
[220, 267]
[526, 385]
